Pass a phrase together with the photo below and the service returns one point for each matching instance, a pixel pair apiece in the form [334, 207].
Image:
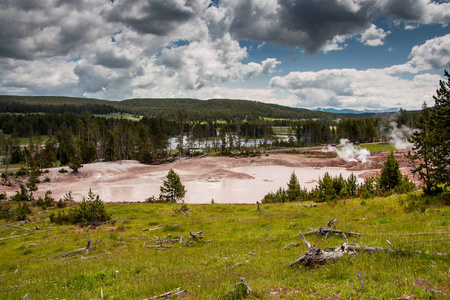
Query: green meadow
[126, 262]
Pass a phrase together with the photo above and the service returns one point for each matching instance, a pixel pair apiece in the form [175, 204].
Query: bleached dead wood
[327, 230]
[196, 235]
[152, 229]
[380, 249]
[13, 226]
[414, 233]
[15, 236]
[85, 249]
[314, 256]
[175, 292]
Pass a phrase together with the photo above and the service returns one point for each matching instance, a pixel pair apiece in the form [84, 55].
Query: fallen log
[86, 249]
[314, 256]
[175, 292]
[13, 226]
[414, 233]
[327, 230]
[380, 249]
[152, 229]
[15, 236]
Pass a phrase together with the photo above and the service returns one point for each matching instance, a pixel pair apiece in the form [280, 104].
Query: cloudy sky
[359, 54]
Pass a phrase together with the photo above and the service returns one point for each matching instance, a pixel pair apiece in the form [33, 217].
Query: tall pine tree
[431, 151]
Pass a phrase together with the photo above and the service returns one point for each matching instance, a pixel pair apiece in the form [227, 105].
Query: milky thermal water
[265, 179]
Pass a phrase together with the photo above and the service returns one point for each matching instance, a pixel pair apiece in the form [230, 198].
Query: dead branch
[327, 230]
[258, 209]
[378, 249]
[86, 249]
[159, 247]
[407, 234]
[236, 265]
[11, 237]
[13, 226]
[32, 245]
[314, 256]
[175, 292]
[196, 235]
[331, 222]
[151, 229]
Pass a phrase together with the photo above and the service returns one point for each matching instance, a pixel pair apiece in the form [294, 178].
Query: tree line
[87, 138]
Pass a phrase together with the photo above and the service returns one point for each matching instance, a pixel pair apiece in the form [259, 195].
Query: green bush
[5, 211]
[21, 195]
[22, 211]
[90, 211]
[45, 202]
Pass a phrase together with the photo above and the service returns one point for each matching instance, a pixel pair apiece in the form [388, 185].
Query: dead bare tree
[315, 256]
[85, 249]
[327, 230]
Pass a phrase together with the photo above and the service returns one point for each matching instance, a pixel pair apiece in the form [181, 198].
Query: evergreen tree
[173, 190]
[293, 192]
[431, 155]
[390, 176]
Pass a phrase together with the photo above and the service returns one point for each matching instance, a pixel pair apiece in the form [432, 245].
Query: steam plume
[348, 152]
[399, 136]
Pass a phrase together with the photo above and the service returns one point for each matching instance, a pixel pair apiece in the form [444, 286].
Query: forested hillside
[197, 110]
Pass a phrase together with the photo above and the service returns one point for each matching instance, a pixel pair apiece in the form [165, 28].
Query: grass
[13, 166]
[125, 116]
[238, 242]
[378, 147]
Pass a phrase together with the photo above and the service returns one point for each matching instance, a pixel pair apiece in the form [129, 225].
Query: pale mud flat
[224, 179]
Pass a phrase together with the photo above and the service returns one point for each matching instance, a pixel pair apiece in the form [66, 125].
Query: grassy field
[125, 116]
[239, 241]
[378, 147]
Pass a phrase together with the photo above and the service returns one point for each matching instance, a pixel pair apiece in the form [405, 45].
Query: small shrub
[22, 211]
[153, 199]
[61, 203]
[5, 211]
[22, 172]
[62, 170]
[46, 179]
[45, 202]
[90, 211]
[21, 195]
[68, 197]
[414, 204]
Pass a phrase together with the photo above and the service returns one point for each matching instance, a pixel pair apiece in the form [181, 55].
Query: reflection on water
[266, 179]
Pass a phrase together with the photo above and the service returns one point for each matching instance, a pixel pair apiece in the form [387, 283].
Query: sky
[343, 54]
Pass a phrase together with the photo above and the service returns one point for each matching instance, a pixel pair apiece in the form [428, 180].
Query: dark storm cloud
[112, 61]
[307, 24]
[154, 17]
[41, 29]
[90, 79]
[408, 10]
[322, 20]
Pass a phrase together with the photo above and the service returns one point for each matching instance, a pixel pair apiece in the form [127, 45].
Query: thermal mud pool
[222, 179]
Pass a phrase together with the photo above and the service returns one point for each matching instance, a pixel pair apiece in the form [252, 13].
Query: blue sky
[356, 54]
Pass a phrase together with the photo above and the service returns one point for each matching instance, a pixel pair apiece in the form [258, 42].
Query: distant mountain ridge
[353, 111]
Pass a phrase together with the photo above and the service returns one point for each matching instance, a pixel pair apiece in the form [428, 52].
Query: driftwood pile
[315, 256]
[162, 243]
